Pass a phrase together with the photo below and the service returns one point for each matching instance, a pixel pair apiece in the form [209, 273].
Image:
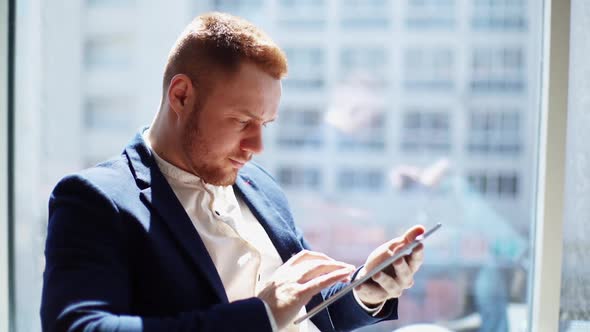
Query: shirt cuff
[271, 318]
[372, 311]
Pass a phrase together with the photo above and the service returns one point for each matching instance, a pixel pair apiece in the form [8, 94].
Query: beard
[199, 157]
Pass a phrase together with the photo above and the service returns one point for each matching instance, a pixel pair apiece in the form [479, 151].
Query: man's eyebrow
[254, 116]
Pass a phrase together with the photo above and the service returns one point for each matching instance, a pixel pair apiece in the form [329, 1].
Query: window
[430, 14]
[245, 8]
[108, 52]
[426, 131]
[370, 180]
[370, 138]
[494, 132]
[109, 3]
[498, 70]
[306, 67]
[428, 69]
[499, 14]
[369, 64]
[363, 14]
[302, 14]
[299, 178]
[501, 185]
[300, 127]
[109, 113]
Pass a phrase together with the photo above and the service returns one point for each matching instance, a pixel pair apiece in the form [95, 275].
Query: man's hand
[298, 280]
[392, 281]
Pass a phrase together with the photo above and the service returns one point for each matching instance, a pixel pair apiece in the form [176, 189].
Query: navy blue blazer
[123, 255]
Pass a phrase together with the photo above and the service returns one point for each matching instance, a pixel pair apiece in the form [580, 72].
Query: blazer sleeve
[86, 281]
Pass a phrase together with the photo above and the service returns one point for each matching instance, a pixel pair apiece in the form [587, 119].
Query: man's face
[225, 131]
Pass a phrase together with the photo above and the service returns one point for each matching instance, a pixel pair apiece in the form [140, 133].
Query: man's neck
[164, 142]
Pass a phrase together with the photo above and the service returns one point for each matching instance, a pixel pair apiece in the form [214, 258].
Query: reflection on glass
[499, 14]
[365, 14]
[393, 113]
[305, 67]
[498, 70]
[430, 14]
[302, 14]
[428, 69]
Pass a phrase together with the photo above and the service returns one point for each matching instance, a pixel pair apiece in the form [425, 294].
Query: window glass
[430, 14]
[394, 113]
[426, 131]
[299, 127]
[108, 52]
[302, 14]
[500, 15]
[428, 68]
[494, 131]
[367, 64]
[574, 310]
[498, 70]
[365, 14]
[306, 65]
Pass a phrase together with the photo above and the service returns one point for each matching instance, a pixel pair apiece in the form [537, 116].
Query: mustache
[242, 158]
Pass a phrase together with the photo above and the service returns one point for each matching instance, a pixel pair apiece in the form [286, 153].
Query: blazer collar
[275, 225]
[157, 194]
[277, 228]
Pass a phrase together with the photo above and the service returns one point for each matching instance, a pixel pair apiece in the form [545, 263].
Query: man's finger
[314, 268]
[315, 285]
[410, 235]
[414, 232]
[381, 254]
[403, 273]
[416, 259]
[388, 284]
[305, 255]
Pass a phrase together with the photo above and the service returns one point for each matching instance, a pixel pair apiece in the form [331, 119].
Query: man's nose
[253, 142]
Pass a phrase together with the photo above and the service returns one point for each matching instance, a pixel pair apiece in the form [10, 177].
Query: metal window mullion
[546, 277]
[6, 70]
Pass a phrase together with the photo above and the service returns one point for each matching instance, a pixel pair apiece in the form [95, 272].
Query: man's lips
[237, 163]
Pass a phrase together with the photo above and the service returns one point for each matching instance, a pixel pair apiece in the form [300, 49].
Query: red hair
[216, 43]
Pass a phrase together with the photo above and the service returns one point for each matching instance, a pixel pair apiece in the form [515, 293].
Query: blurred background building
[395, 112]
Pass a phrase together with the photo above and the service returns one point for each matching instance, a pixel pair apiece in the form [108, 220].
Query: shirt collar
[179, 175]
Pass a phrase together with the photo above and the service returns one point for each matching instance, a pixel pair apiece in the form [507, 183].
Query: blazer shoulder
[102, 184]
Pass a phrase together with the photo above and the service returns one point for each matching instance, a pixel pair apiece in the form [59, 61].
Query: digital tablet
[404, 251]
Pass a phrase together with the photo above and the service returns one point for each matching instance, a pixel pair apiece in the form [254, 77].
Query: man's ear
[181, 95]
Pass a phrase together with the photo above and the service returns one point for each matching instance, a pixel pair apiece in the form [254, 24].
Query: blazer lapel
[281, 235]
[157, 194]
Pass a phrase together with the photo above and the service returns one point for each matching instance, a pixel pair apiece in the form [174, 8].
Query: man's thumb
[413, 232]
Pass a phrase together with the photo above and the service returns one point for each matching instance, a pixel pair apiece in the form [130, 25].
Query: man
[182, 233]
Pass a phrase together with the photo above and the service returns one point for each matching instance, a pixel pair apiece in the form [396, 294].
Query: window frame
[544, 296]
[6, 119]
